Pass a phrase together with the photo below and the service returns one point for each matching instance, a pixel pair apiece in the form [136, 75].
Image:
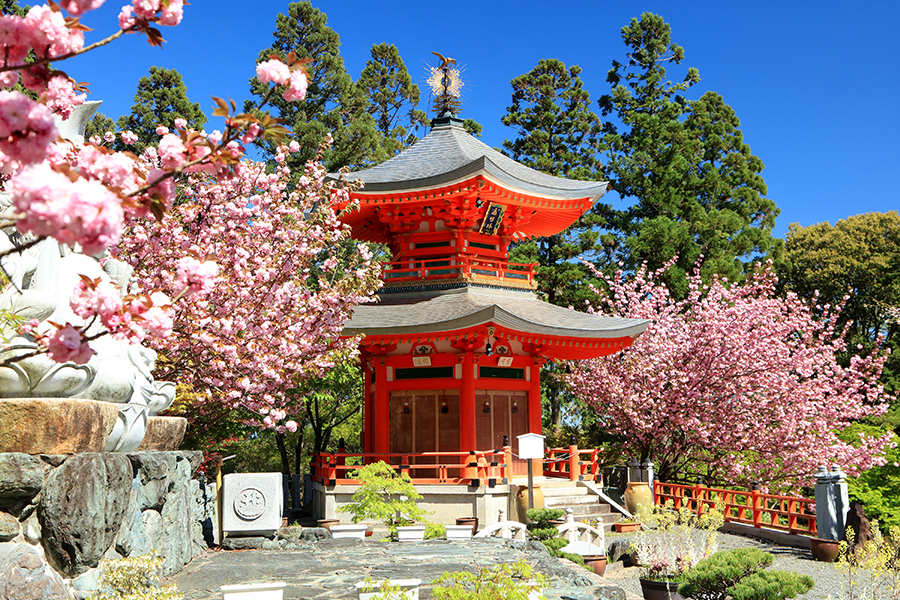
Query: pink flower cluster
[164, 12]
[131, 319]
[65, 344]
[26, 130]
[275, 71]
[61, 97]
[81, 212]
[194, 276]
[77, 8]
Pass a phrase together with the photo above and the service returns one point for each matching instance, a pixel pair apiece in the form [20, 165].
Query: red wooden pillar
[467, 404]
[368, 422]
[382, 412]
[534, 408]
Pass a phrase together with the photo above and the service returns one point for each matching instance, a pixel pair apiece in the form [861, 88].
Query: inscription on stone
[250, 504]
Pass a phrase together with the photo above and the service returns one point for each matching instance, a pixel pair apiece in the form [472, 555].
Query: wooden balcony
[460, 267]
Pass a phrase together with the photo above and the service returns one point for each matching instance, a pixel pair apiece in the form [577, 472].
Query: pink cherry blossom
[129, 137]
[79, 7]
[26, 128]
[296, 86]
[273, 71]
[65, 345]
[60, 96]
[195, 276]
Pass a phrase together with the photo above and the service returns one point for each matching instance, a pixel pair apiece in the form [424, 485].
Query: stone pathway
[328, 569]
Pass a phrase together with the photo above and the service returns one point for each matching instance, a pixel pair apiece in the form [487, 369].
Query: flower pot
[597, 563]
[327, 523]
[355, 531]
[459, 532]
[824, 550]
[408, 586]
[471, 521]
[271, 590]
[411, 533]
[638, 496]
[626, 527]
[660, 590]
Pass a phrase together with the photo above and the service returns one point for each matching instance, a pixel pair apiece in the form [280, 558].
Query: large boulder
[21, 478]
[25, 575]
[82, 507]
[55, 425]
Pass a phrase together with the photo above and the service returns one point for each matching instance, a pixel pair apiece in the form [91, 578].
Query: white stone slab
[252, 504]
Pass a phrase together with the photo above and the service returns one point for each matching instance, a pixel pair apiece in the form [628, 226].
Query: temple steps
[562, 494]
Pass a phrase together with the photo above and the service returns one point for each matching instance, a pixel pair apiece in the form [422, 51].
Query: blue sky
[815, 84]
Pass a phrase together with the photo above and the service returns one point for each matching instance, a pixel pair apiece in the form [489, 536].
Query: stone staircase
[563, 494]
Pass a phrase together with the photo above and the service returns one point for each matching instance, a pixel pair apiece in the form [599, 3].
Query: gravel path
[826, 576]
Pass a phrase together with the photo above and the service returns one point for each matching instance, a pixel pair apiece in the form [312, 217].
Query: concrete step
[564, 492]
[558, 501]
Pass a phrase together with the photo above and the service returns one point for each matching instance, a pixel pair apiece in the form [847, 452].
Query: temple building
[452, 350]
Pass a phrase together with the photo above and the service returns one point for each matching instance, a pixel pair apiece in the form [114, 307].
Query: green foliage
[870, 570]
[134, 578]
[435, 531]
[711, 578]
[393, 100]
[877, 489]
[499, 582]
[697, 189]
[857, 258]
[771, 585]
[161, 98]
[540, 528]
[334, 104]
[12, 7]
[384, 495]
[98, 125]
[386, 590]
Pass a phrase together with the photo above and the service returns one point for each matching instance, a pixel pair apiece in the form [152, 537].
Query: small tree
[384, 495]
[740, 574]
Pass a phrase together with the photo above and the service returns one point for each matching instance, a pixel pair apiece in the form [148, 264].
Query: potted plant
[627, 525]
[516, 581]
[824, 550]
[470, 521]
[672, 542]
[384, 495]
[540, 526]
[595, 562]
[740, 574]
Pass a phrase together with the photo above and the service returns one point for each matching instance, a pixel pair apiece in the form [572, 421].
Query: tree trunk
[282, 450]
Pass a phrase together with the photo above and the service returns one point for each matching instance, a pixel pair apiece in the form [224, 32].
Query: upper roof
[448, 154]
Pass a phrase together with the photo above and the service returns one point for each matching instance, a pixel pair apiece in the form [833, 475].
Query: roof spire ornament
[446, 85]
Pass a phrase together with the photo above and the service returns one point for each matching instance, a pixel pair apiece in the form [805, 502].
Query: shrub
[434, 531]
[134, 578]
[500, 582]
[740, 574]
[384, 495]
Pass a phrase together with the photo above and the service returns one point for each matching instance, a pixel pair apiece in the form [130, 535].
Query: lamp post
[531, 446]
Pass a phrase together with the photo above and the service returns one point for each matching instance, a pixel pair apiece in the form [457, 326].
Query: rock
[53, 460]
[9, 527]
[203, 517]
[617, 549]
[27, 576]
[21, 478]
[32, 530]
[55, 425]
[314, 534]
[536, 547]
[856, 519]
[132, 538]
[163, 433]
[89, 581]
[82, 508]
[154, 478]
[290, 533]
[244, 543]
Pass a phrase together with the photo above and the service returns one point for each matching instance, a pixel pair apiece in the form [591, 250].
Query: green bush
[384, 495]
[434, 531]
[541, 529]
[740, 571]
[500, 582]
[134, 578]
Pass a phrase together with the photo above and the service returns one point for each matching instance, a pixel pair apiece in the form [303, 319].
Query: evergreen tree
[334, 104]
[98, 125]
[161, 98]
[558, 134]
[393, 99]
[697, 189]
[12, 7]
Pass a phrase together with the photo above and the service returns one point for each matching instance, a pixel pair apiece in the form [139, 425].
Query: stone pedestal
[55, 425]
[252, 504]
[164, 433]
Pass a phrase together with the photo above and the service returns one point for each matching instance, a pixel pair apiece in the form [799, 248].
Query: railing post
[698, 496]
[404, 466]
[755, 497]
[471, 469]
[574, 462]
[507, 460]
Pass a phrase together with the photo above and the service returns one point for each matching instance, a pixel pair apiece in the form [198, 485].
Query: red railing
[785, 513]
[488, 467]
[573, 464]
[460, 266]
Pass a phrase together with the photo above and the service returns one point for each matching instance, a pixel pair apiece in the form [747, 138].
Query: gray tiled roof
[448, 154]
[449, 310]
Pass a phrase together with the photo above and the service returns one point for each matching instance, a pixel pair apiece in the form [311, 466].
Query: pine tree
[393, 99]
[334, 104]
[98, 125]
[697, 189]
[161, 98]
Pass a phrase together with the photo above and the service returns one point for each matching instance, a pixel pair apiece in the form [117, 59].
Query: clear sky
[815, 84]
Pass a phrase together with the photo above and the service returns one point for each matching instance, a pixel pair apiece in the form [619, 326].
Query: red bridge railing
[771, 511]
[573, 463]
[489, 467]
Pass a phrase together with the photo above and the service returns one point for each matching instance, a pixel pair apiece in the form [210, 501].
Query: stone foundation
[61, 514]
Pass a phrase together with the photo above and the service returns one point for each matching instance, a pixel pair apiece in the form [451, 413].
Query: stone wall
[60, 514]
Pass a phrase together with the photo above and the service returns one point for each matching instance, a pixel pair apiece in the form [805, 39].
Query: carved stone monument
[253, 504]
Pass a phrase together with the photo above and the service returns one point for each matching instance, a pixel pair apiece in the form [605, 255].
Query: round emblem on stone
[250, 504]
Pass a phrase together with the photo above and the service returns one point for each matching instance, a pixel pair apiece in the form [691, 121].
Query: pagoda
[452, 350]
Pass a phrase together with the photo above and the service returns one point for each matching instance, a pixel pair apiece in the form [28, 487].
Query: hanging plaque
[492, 219]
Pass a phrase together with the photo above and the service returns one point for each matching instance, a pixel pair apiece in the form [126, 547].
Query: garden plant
[740, 574]
[134, 578]
[384, 495]
[500, 582]
[540, 527]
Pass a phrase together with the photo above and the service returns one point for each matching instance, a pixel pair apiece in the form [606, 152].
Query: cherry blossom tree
[732, 383]
[82, 195]
[286, 279]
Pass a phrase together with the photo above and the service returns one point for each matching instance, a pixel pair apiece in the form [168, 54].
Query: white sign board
[531, 445]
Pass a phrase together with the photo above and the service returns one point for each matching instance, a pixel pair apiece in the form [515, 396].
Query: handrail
[462, 266]
[792, 514]
[572, 464]
[478, 467]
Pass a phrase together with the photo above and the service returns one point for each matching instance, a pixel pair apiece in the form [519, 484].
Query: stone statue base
[55, 425]
[163, 433]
